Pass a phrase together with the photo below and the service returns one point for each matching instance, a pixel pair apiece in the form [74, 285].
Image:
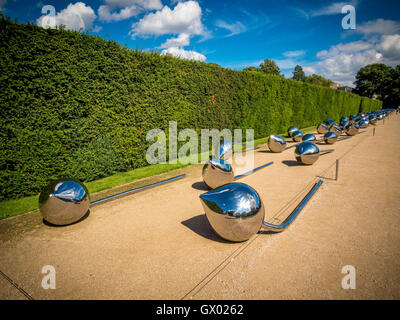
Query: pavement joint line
[15, 285]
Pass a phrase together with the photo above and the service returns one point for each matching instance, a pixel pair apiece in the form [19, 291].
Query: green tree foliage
[252, 69]
[298, 74]
[270, 67]
[318, 80]
[74, 104]
[380, 80]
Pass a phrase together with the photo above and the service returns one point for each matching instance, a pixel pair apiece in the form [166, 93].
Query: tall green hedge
[74, 104]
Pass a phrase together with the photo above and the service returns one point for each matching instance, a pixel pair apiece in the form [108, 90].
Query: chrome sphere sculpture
[344, 119]
[330, 137]
[364, 124]
[309, 137]
[276, 143]
[297, 136]
[235, 211]
[373, 119]
[353, 118]
[322, 128]
[216, 173]
[307, 153]
[352, 129]
[292, 130]
[64, 201]
[329, 122]
[225, 150]
[344, 124]
[336, 129]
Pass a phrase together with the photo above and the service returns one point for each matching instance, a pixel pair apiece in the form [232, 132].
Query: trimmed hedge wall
[74, 104]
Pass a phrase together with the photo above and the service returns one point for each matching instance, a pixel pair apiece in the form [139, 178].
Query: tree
[269, 66]
[298, 74]
[319, 80]
[380, 80]
[251, 69]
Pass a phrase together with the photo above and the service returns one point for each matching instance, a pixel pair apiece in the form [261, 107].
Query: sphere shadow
[49, 224]
[291, 163]
[200, 225]
[200, 185]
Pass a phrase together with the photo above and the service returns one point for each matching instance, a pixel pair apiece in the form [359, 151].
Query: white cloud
[334, 8]
[76, 17]
[182, 40]
[341, 62]
[390, 46]
[234, 28]
[294, 54]
[379, 26]
[184, 54]
[184, 18]
[127, 8]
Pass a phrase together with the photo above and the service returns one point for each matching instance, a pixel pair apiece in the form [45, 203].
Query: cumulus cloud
[184, 18]
[76, 17]
[116, 10]
[390, 46]
[234, 28]
[182, 40]
[379, 26]
[341, 62]
[184, 54]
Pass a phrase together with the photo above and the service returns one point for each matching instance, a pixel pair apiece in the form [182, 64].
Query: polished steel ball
[336, 129]
[292, 130]
[373, 119]
[307, 153]
[352, 129]
[353, 118]
[364, 124]
[330, 137]
[329, 122]
[64, 201]
[276, 143]
[309, 137]
[297, 136]
[225, 150]
[216, 173]
[344, 124]
[322, 128]
[235, 211]
[344, 119]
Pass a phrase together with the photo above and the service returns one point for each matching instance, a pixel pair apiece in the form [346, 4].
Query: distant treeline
[77, 105]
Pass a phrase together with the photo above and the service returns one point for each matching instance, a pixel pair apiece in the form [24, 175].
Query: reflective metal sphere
[64, 201]
[216, 173]
[306, 153]
[322, 128]
[330, 137]
[309, 137]
[344, 119]
[344, 125]
[292, 130]
[352, 130]
[276, 143]
[329, 122]
[373, 119]
[235, 211]
[336, 129]
[225, 150]
[297, 136]
[352, 118]
[364, 124]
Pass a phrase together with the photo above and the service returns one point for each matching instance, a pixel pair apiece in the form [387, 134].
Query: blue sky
[236, 33]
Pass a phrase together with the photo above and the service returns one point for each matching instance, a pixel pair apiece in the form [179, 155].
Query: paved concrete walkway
[158, 244]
